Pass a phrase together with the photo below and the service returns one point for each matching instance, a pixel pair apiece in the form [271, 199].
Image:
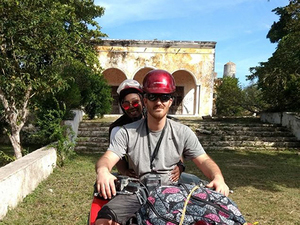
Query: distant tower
[229, 70]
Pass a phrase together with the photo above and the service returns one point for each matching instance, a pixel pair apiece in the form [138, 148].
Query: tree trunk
[14, 134]
[15, 141]
[16, 118]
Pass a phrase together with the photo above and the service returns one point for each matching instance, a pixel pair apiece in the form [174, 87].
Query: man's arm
[212, 171]
[105, 180]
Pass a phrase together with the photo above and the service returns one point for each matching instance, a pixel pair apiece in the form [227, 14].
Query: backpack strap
[186, 203]
[157, 144]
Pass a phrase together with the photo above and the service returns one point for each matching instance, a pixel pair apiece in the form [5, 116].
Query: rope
[186, 202]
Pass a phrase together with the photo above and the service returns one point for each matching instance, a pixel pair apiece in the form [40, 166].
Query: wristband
[180, 163]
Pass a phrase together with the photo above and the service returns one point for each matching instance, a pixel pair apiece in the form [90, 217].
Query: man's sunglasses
[162, 97]
[126, 105]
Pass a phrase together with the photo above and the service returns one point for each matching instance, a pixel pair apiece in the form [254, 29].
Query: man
[130, 99]
[154, 146]
[131, 102]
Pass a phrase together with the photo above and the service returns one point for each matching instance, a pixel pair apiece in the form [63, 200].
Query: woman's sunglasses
[126, 105]
[162, 97]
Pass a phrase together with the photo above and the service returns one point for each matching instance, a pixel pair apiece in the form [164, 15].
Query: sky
[239, 27]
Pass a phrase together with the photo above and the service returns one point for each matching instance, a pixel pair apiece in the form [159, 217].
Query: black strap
[157, 145]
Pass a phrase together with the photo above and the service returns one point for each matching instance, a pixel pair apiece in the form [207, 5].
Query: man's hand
[212, 171]
[106, 184]
[219, 185]
[105, 180]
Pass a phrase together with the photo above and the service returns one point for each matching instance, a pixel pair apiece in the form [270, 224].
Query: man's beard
[158, 115]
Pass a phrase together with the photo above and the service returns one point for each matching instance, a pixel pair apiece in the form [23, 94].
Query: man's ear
[171, 101]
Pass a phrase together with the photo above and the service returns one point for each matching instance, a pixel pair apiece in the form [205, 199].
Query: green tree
[38, 39]
[279, 77]
[252, 100]
[229, 98]
[89, 90]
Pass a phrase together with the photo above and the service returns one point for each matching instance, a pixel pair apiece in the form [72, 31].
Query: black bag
[188, 204]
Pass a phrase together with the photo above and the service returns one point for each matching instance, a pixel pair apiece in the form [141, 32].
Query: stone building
[192, 63]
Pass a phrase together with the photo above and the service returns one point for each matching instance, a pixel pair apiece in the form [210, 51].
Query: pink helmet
[159, 82]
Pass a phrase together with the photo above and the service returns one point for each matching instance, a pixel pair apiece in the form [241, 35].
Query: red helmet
[159, 82]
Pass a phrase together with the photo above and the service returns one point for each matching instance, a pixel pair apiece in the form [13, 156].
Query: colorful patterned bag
[188, 204]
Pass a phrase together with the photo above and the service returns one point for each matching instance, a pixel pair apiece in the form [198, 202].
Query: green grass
[64, 198]
[266, 188]
[266, 185]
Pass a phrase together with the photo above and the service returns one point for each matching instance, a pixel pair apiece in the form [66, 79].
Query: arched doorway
[140, 74]
[114, 77]
[184, 101]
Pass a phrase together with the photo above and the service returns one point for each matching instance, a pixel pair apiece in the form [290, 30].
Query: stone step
[103, 138]
[93, 133]
[245, 133]
[216, 138]
[88, 149]
[238, 128]
[94, 128]
[93, 144]
[103, 148]
[294, 144]
[88, 123]
[92, 139]
[245, 148]
[234, 134]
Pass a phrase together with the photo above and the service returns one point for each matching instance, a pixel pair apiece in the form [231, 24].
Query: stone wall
[287, 119]
[74, 124]
[21, 177]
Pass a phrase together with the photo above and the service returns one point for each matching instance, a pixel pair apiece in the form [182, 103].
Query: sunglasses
[162, 97]
[126, 105]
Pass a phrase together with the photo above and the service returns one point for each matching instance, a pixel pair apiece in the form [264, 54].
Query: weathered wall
[21, 177]
[74, 124]
[192, 62]
[287, 119]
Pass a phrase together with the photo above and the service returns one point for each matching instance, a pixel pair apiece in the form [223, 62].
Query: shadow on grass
[91, 157]
[262, 170]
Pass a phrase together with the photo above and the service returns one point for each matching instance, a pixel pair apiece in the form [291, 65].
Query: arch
[140, 74]
[114, 77]
[185, 95]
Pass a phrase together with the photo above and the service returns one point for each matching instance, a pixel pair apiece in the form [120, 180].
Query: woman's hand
[175, 174]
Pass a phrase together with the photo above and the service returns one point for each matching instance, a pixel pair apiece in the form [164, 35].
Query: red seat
[95, 207]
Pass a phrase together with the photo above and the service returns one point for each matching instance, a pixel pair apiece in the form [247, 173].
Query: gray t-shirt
[178, 140]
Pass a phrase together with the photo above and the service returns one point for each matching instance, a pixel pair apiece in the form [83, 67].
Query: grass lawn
[266, 188]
